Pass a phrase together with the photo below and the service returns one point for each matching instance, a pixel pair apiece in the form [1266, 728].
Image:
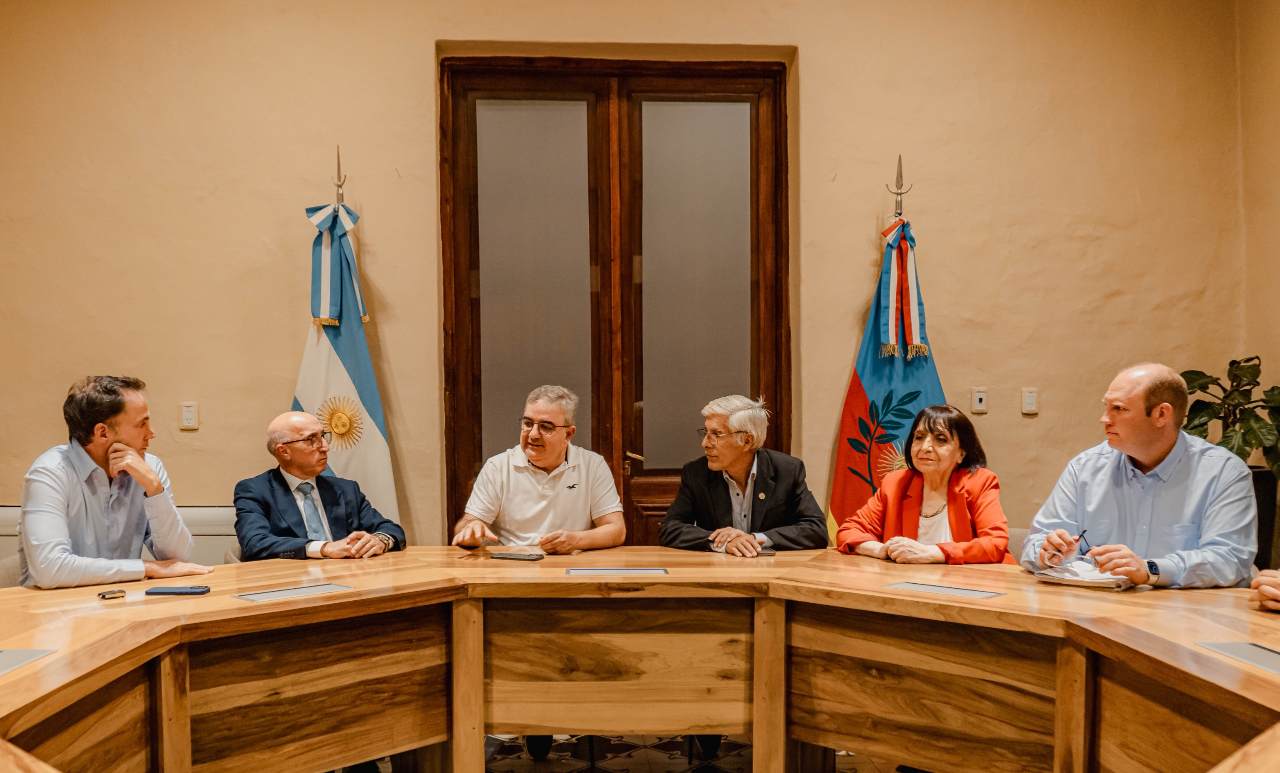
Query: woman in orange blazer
[944, 508]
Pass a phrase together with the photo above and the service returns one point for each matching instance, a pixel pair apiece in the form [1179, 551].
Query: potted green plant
[1249, 424]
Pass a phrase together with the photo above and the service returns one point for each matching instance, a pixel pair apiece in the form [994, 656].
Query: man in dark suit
[293, 511]
[740, 497]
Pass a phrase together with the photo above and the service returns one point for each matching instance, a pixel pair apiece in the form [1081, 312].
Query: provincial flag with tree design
[336, 381]
[894, 376]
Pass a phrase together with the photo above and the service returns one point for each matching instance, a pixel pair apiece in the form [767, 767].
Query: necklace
[941, 507]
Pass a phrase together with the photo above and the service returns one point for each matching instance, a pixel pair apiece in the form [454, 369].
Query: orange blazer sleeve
[866, 525]
[990, 542]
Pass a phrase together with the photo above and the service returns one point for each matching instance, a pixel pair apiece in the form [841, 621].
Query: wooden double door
[619, 228]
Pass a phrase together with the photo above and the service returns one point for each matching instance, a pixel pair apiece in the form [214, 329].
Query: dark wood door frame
[613, 90]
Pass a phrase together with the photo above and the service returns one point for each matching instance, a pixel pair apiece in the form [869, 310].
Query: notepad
[11, 659]
[617, 570]
[945, 590]
[288, 593]
[1083, 573]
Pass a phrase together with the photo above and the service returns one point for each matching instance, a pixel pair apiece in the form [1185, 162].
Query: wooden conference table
[434, 647]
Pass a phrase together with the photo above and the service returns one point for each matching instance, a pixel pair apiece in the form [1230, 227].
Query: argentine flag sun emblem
[336, 380]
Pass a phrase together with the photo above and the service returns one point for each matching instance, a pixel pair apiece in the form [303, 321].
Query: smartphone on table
[519, 556]
[178, 590]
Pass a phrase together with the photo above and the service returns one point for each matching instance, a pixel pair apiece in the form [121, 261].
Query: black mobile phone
[178, 590]
[520, 556]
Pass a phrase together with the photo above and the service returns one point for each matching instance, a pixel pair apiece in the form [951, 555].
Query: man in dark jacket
[740, 497]
[292, 511]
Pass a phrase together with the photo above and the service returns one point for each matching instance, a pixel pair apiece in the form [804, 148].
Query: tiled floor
[570, 754]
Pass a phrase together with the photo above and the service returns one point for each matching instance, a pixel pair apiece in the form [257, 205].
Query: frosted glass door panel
[696, 268]
[535, 264]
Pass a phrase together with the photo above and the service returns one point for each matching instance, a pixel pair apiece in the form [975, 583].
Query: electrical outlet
[978, 399]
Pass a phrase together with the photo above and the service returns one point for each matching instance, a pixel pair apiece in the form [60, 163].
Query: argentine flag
[336, 381]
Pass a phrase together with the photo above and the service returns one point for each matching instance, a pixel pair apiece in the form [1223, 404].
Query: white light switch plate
[1030, 401]
[189, 416]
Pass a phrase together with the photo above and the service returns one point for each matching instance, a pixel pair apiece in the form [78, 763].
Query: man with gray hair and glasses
[544, 491]
[740, 497]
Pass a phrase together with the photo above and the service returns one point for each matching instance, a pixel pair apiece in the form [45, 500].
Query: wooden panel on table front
[618, 665]
[934, 695]
[1142, 724]
[105, 732]
[321, 696]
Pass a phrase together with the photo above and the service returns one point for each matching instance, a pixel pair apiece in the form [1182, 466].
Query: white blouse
[934, 529]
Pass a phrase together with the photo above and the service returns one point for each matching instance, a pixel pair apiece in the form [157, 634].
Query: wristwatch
[1153, 569]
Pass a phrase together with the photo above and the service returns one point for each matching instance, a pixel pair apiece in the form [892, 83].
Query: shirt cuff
[159, 505]
[1165, 578]
[763, 539]
[313, 549]
[132, 569]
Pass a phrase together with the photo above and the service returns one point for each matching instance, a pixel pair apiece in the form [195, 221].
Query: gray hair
[274, 439]
[744, 414]
[556, 395]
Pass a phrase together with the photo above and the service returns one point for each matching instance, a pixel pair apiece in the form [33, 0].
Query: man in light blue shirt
[89, 506]
[1161, 507]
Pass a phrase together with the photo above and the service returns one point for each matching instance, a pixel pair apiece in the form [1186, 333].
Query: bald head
[289, 426]
[299, 443]
[1157, 384]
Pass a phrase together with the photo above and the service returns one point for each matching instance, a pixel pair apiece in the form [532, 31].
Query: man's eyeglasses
[545, 427]
[716, 436]
[314, 440]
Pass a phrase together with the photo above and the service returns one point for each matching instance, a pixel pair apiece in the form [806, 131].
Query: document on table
[11, 659]
[288, 593]
[1084, 573]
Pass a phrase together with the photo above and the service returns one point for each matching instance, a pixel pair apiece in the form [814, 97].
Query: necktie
[310, 515]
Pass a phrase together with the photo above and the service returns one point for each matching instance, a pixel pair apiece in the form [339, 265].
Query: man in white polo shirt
[544, 491]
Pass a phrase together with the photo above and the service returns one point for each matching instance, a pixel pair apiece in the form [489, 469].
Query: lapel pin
[760, 495]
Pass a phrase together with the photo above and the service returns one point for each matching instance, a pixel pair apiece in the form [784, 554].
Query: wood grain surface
[1143, 724]
[320, 695]
[640, 666]
[1036, 674]
[922, 693]
[107, 732]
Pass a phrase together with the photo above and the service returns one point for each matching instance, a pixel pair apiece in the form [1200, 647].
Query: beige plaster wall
[1076, 172]
[1259, 29]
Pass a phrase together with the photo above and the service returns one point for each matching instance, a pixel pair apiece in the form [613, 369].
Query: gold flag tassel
[917, 350]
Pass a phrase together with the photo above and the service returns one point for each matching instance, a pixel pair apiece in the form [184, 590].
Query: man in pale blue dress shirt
[89, 506]
[1161, 507]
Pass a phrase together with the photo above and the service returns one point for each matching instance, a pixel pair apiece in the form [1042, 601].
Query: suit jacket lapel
[286, 505]
[957, 509]
[762, 492]
[332, 507]
[912, 500]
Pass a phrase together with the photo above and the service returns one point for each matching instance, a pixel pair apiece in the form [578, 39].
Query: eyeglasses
[716, 436]
[314, 440]
[545, 427]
